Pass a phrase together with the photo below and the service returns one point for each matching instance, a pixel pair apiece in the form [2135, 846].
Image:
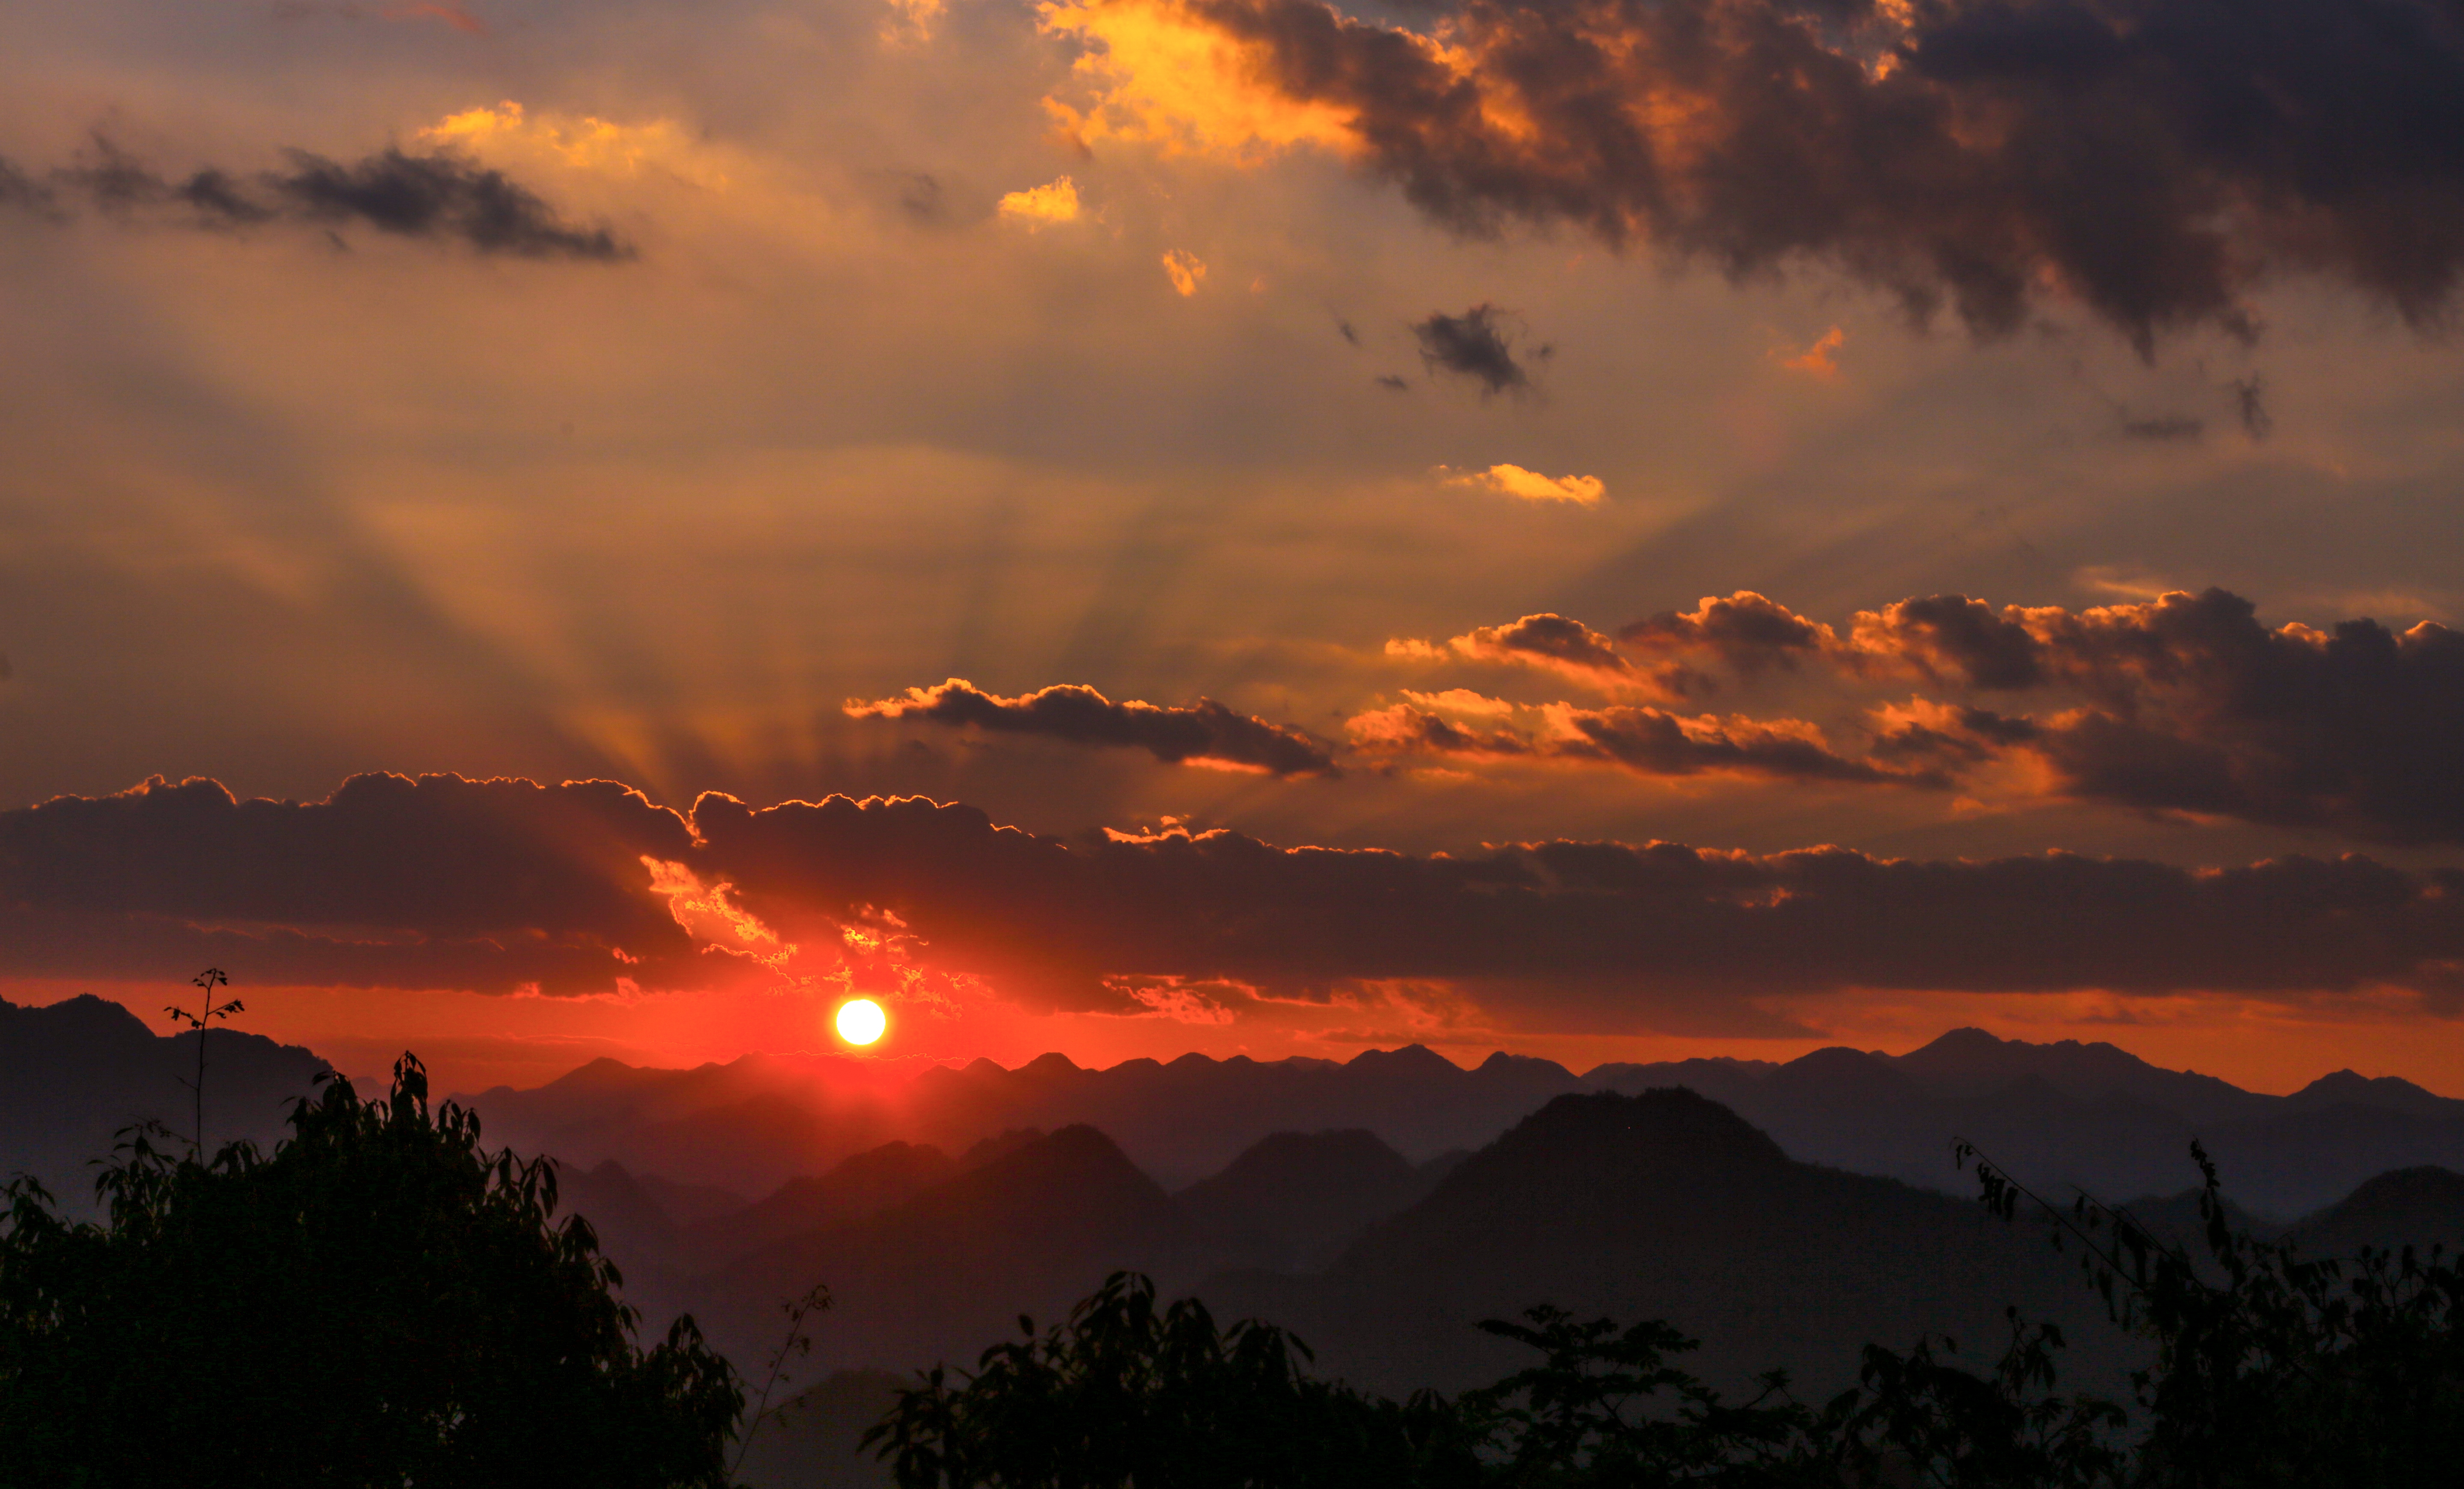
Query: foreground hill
[1295, 1199]
[948, 1272]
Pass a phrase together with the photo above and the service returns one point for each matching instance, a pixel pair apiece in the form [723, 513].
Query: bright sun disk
[860, 1021]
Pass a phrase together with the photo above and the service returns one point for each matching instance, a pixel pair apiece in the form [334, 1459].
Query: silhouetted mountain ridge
[74, 1073]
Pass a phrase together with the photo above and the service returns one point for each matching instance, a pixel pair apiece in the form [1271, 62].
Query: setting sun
[860, 1021]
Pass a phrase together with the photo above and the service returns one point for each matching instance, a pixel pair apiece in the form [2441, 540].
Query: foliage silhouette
[381, 1300]
[2272, 1368]
[1127, 1392]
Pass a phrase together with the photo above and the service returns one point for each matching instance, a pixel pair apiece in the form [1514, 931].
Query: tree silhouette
[1126, 1393]
[381, 1300]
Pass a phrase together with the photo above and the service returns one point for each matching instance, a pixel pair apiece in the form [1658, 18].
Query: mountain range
[2064, 1114]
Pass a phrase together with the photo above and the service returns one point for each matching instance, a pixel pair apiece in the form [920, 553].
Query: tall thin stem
[207, 1011]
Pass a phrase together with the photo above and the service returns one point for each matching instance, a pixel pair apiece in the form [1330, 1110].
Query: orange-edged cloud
[1548, 642]
[443, 883]
[1205, 733]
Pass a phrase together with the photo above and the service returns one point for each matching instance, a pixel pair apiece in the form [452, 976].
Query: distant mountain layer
[2063, 1114]
[74, 1074]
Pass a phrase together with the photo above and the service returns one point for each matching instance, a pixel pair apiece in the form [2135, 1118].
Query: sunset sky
[1610, 529]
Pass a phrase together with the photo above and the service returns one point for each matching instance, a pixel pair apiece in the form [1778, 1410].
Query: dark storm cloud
[446, 882]
[438, 196]
[2154, 158]
[1473, 344]
[1206, 731]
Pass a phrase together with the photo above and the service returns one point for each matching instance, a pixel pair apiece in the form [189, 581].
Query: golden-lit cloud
[1513, 481]
[1155, 72]
[581, 143]
[1204, 734]
[1547, 642]
[1185, 269]
[1041, 207]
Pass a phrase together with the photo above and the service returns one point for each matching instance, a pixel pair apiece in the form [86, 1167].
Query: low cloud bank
[505, 886]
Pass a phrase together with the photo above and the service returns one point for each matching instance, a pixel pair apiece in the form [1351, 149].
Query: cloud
[1648, 742]
[1746, 632]
[435, 882]
[1627, 929]
[1041, 207]
[448, 882]
[2183, 704]
[1652, 742]
[1205, 733]
[2151, 160]
[1548, 641]
[1185, 269]
[1817, 359]
[1513, 481]
[1473, 344]
[438, 195]
[1410, 729]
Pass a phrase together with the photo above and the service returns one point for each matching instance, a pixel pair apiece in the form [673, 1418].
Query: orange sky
[1090, 415]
